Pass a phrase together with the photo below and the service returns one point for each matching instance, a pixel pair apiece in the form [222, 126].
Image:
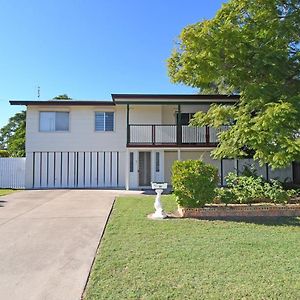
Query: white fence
[12, 172]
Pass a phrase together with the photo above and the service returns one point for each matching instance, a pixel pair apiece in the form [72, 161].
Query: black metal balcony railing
[172, 135]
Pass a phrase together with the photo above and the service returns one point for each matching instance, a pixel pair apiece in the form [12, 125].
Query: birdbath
[159, 187]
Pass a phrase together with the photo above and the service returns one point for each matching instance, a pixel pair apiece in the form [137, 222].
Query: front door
[144, 168]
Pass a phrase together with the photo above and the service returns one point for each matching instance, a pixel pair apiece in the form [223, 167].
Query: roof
[172, 98]
[136, 99]
[62, 102]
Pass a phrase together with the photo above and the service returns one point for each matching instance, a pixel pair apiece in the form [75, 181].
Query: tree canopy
[12, 135]
[251, 47]
[62, 97]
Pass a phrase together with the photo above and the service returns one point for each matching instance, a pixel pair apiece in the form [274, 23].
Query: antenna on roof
[38, 92]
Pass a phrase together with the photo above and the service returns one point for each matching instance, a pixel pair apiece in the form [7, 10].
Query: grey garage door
[75, 169]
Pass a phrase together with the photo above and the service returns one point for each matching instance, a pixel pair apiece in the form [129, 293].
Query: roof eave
[173, 98]
[61, 103]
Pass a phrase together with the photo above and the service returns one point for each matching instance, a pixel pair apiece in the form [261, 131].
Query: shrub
[194, 182]
[275, 192]
[245, 189]
[249, 170]
[4, 153]
[225, 195]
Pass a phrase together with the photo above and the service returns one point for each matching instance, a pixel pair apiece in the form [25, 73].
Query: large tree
[251, 47]
[12, 135]
[62, 97]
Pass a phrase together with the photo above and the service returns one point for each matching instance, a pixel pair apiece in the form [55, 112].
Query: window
[104, 121]
[54, 121]
[131, 162]
[185, 118]
[156, 161]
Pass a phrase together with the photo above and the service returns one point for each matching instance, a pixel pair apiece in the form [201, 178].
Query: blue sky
[90, 49]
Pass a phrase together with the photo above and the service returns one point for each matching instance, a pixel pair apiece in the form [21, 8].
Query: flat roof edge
[174, 96]
[62, 102]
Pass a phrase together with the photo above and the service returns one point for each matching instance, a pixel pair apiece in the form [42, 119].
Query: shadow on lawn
[267, 221]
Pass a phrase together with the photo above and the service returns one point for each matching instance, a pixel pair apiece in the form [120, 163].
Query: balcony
[141, 135]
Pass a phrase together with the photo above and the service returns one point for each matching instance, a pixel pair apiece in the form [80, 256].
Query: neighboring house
[127, 142]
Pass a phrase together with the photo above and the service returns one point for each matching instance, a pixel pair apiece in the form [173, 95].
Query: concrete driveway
[48, 241]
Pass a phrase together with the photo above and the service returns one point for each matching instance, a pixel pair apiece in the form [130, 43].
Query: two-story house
[127, 142]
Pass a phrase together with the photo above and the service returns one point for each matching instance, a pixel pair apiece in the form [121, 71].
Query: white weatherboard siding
[141, 114]
[12, 173]
[69, 159]
[160, 114]
[81, 136]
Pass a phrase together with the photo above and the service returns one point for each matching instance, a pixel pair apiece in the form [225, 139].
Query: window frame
[114, 121]
[54, 111]
[157, 162]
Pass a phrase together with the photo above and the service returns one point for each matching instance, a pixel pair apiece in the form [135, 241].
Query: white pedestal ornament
[159, 187]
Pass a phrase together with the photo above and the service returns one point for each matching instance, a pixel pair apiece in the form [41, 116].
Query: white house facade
[124, 143]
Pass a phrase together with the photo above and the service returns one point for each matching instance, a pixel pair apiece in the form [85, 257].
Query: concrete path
[48, 240]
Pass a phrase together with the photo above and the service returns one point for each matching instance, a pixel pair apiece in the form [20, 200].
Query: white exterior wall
[145, 114]
[155, 176]
[81, 138]
[81, 135]
[160, 114]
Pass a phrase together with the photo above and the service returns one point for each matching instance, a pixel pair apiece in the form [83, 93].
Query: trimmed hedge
[194, 182]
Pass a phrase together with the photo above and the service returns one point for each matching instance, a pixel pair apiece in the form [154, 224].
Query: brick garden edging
[237, 211]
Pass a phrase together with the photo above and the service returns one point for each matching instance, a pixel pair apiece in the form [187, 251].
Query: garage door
[75, 169]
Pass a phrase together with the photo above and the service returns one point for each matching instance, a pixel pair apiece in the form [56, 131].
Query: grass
[194, 259]
[4, 192]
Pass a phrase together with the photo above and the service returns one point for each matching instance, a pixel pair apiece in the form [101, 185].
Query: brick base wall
[240, 211]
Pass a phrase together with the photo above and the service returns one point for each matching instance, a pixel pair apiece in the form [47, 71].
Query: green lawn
[194, 259]
[4, 192]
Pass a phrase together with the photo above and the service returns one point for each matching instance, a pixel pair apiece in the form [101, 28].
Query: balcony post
[128, 126]
[179, 127]
[207, 138]
[153, 135]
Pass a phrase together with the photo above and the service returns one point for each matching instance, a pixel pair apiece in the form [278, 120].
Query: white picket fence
[12, 172]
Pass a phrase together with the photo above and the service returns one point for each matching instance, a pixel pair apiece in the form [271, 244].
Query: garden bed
[241, 211]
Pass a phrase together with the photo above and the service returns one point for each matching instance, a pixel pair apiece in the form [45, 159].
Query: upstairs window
[104, 121]
[185, 118]
[51, 121]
